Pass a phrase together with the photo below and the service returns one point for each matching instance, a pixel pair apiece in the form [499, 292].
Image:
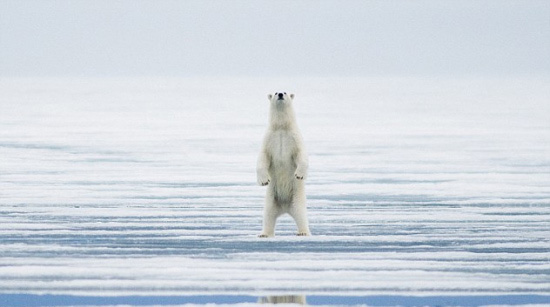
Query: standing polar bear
[282, 166]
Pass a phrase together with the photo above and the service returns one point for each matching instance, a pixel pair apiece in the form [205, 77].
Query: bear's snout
[281, 96]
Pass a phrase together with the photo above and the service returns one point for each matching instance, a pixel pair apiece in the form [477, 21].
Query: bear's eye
[276, 94]
[285, 93]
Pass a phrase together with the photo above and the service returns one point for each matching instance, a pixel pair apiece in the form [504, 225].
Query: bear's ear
[269, 96]
[291, 96]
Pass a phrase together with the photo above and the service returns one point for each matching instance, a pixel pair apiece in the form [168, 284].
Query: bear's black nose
[280, 95]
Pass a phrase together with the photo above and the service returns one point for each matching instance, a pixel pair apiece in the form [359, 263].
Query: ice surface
[147, 187]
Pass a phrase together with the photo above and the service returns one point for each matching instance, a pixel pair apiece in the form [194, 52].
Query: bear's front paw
[263, 235]
[303, 234]
[263, 182]
[263, 178]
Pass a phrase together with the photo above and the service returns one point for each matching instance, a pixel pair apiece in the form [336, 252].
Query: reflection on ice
[283, 299]
[25, 300]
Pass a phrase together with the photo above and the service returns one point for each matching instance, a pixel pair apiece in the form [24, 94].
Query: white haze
[273, 38]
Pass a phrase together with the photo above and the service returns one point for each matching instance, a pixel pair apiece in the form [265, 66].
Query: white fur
[282, 166]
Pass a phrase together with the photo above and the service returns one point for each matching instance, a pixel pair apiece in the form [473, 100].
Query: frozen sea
[142, 191]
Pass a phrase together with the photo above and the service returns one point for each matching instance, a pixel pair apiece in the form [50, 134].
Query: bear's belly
[282, 168]
[282, 180]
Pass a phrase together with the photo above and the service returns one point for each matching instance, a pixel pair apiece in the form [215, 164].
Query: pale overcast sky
[273, 38]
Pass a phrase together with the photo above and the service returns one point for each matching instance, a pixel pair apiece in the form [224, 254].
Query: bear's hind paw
[303, 234]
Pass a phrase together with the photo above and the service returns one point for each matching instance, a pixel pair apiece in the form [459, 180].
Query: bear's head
[280, 98]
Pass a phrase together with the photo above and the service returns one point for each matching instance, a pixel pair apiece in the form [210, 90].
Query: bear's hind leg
[271, 213]
[298, 211]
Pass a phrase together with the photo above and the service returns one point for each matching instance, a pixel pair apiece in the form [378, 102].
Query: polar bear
[282, 166]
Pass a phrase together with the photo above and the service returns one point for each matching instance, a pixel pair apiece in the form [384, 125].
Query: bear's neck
[282, 118]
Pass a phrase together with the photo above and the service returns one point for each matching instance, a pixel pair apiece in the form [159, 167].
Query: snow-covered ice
[147, 187]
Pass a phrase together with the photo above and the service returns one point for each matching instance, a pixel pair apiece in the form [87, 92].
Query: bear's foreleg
[262, 174]
[301, 166]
